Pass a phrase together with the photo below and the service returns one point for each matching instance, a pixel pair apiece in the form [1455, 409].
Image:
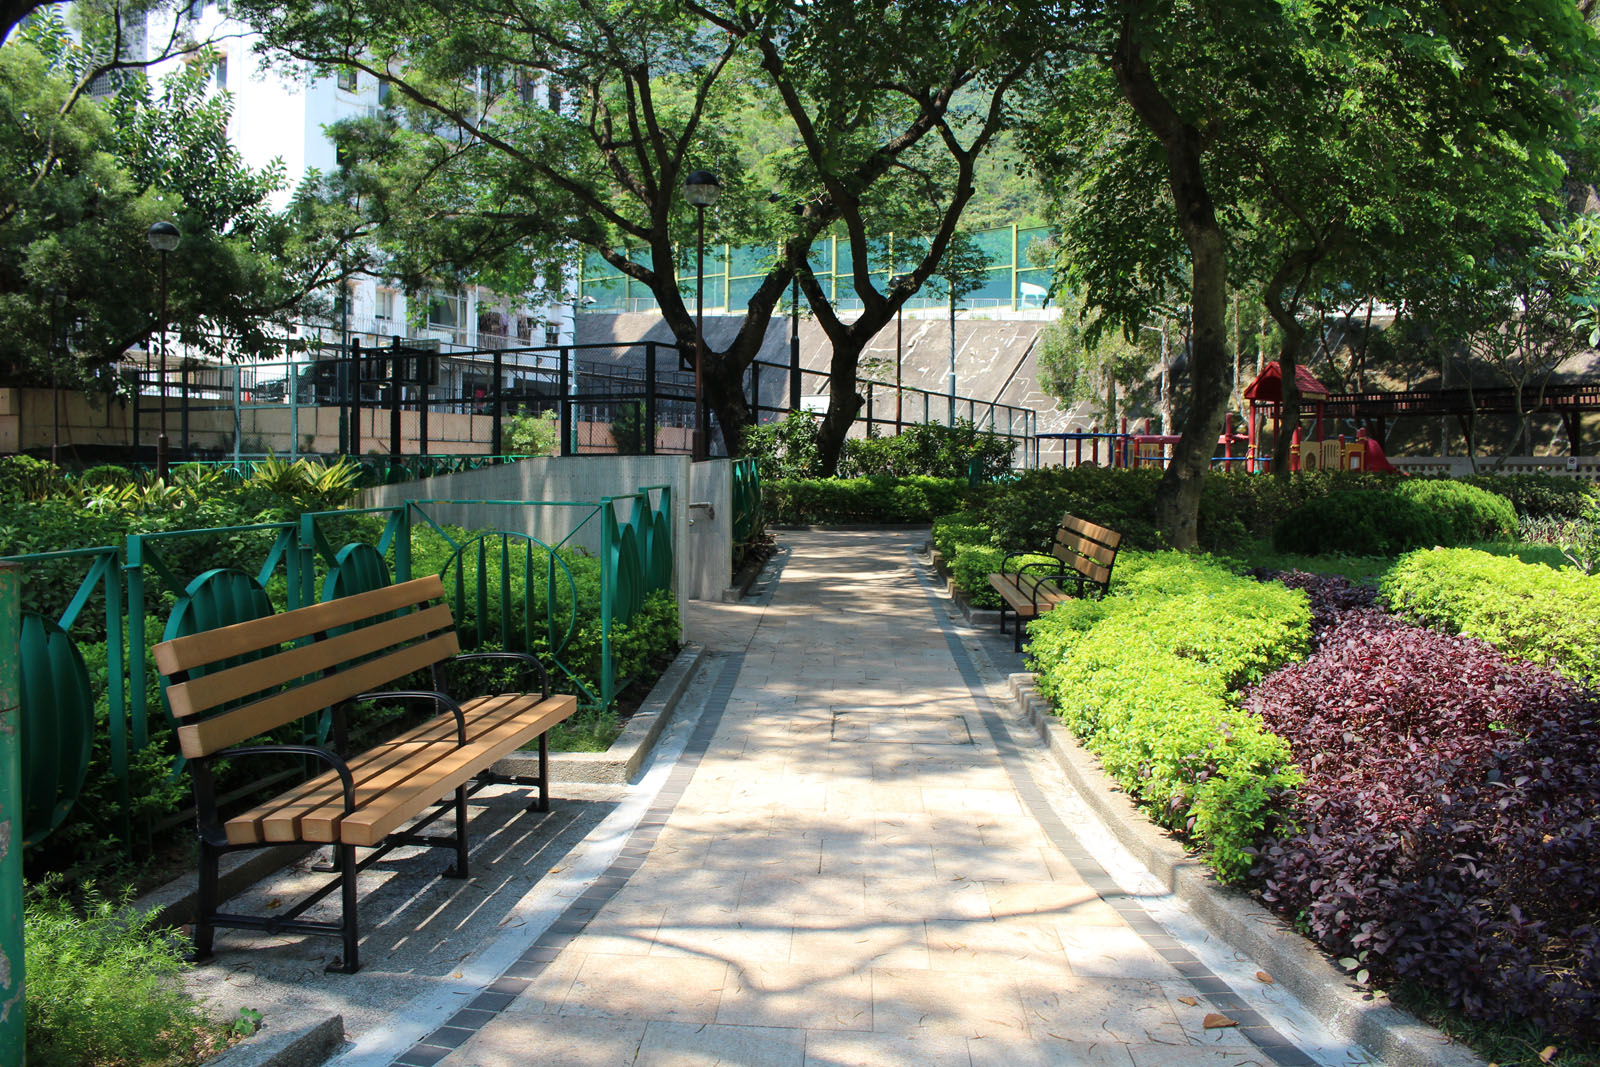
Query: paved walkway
[852, 863]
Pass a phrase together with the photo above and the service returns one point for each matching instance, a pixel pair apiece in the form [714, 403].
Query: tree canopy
[1201, 148]
[86, 177]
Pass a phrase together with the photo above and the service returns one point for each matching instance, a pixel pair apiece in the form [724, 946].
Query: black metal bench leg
[543, 803]
[460, 869]
[205, 903]
[1002, 614]
[1016, 635]
[349, 930]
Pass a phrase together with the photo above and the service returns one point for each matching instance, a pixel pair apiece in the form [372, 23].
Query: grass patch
[587, 731]
[1506, 1043]
[103, 989]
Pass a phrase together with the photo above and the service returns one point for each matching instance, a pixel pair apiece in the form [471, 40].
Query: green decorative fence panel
[747, 521]
[57, 725]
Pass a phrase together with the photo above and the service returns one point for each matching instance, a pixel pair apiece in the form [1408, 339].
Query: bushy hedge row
[1147, 677]
[1538, 496]
[790, 501]
[1526, 610]
[1416, 513]
[1447, 827]
[787, 449]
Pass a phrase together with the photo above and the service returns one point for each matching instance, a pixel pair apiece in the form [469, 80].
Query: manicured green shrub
[927, 448]
[1416, 514]
[1528, 611]
[861, 500]
[103, 989]
[1147, 678]
[1538, 496]
[952, 531]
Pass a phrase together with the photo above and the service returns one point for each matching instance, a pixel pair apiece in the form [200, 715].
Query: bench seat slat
[232, 727]
[280, 819]
[399, 780]
[243, 638]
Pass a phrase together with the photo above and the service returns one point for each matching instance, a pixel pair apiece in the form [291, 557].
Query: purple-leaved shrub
[1447, 818]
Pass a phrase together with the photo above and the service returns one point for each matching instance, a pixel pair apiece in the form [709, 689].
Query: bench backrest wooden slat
[242, 723]
[1100, 553]
[1104, 534]
[198, 650]
[1086, 547]
[210, 691]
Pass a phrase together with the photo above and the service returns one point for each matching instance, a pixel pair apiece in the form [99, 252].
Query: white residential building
[279, 116]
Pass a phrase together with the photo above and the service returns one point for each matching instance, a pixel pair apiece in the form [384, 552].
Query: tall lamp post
[899, 281]
[701, 188]
[163, 237]
[952, 419]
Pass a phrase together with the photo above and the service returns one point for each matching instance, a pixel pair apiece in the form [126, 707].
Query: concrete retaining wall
[702, 536]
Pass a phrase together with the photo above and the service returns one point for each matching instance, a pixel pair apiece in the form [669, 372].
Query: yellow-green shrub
[1147, 679]
[1526, 610]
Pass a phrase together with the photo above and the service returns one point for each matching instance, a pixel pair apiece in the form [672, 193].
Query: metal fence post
[649, 398]
[13, 1016]
[497, 445]
[568, 395]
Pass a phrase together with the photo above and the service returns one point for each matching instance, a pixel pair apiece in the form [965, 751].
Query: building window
[552, 334]
[219, 72]
[446, 310]
[385, 91]
[348, 79]
[555, 99]
[384, 308]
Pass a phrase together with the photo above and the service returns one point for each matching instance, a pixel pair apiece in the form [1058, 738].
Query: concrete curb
[977, 618]
[619, 764]
[1394, 1037]
[304, 1041]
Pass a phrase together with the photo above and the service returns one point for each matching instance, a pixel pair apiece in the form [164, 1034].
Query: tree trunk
[1178, 496]
[843, 404]
[1289, 368]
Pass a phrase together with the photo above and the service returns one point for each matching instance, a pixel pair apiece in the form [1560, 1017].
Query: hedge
[790, 501]
[1416, 514]
[1526, 610]
[1148, 678]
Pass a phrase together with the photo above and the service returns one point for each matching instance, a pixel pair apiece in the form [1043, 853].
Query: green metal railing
[747, 519]
[13, 1010]
[134, 584]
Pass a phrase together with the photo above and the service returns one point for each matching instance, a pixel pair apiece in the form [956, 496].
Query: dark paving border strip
[500, 994]
[1273, 1044]
[503, 992]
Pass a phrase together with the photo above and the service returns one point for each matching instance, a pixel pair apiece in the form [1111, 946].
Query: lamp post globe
[701, 188]
[163, 237]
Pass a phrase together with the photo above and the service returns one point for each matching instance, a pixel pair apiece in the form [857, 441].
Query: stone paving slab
[851, 876]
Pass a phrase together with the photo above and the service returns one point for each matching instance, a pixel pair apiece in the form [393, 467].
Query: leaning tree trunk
[723, 381]
[843, 405]
[1178, 496]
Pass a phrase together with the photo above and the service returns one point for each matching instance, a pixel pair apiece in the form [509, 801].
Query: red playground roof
[1268, 386]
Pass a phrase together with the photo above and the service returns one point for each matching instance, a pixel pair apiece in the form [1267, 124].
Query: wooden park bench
[1081, 555]
[231, 684]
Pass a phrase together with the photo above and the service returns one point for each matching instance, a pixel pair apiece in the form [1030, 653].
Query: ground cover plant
[1146, 679]
[103, 991]
[1530, 612]
[1445, 828]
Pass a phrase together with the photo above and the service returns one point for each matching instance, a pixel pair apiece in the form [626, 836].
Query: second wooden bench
[1080, 557]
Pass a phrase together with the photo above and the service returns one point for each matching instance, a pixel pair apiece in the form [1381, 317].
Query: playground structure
[1362, 452]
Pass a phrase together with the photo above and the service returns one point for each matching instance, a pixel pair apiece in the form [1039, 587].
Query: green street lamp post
[701, 188]
[163, 238]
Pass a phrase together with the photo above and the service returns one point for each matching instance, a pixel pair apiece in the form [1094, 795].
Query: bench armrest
[436, 698]
[340, 767]
[525, 658]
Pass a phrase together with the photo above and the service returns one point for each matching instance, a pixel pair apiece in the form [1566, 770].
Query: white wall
[702, 552]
